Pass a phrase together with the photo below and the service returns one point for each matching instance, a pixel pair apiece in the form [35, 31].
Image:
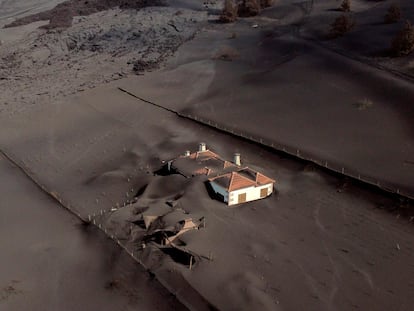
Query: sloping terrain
[371, 37]
[318, 235]
[61, 16]
[39, 66]
[51, 261]
[270, 84]
[11, 10]
[320, 242]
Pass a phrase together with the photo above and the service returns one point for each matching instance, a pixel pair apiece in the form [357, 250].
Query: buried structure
[165, 228]
[229, 181]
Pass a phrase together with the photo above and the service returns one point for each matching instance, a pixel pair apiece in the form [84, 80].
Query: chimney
[202, 147]
[187, 153]
[236, 159]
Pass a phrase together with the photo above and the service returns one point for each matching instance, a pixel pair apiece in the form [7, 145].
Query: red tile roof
[209, 163]
[240, 179]
[229, 164]
[205, 155]
[201, 163]
[262, 179]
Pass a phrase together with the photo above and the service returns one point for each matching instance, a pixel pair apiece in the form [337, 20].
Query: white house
[232, 183]
[242, 186]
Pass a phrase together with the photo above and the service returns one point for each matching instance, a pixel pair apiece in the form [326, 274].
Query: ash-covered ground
[61, 16]
[321, 242]
[39, 65]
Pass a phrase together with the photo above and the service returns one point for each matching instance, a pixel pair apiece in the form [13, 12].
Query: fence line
[258, 140]
[302, 155]
[56, 197]
[52, 194]
[295, 152]
[175, 292]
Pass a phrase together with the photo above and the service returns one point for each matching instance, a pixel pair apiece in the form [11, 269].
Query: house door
[242, 198]
[263, 192]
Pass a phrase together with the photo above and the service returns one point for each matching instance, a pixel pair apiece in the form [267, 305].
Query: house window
[242, 197]
[263, 192]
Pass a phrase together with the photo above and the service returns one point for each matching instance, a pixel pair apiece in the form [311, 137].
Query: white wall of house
[219, 189]
[252, 193]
